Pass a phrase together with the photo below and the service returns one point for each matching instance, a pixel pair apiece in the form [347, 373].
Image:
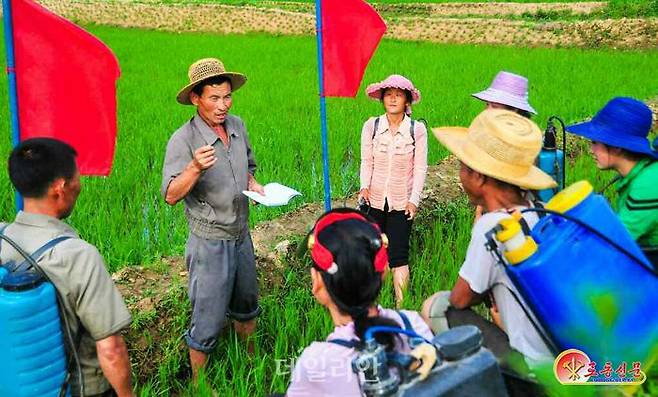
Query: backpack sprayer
[584, 281]
[551, 159]
[32, 332]
[453, 364]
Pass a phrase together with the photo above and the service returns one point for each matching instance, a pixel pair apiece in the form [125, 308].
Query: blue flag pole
[323, 107]
[11, 78]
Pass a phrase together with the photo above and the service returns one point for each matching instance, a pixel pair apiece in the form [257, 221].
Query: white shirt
[481, 272]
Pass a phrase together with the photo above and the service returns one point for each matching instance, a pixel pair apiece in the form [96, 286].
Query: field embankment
[473, 23]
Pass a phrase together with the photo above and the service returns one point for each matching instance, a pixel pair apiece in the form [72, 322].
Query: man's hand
[255, 186]
[204, 158]
[364, 195]
[410, 210]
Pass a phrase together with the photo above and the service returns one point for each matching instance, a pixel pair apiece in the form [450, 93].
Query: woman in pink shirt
[393, 169]
[349, 258]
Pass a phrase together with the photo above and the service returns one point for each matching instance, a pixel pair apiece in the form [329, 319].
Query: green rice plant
[127, 219]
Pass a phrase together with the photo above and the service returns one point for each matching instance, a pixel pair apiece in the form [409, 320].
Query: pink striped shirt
[393, 168]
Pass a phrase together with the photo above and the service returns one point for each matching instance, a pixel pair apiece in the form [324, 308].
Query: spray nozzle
[549, 135]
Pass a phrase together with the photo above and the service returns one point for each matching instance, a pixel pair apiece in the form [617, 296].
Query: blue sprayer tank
[33, 360]
[586, 293]
[551, 161]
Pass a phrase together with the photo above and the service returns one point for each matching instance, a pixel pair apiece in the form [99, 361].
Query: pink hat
[508, 89]
[374, 91]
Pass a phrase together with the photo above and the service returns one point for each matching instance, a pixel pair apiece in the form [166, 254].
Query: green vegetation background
[126, 218]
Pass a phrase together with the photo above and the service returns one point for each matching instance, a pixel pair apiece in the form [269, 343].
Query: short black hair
[36, 163]
[216, 80]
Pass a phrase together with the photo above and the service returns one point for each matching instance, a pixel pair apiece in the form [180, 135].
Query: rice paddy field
[124, 216]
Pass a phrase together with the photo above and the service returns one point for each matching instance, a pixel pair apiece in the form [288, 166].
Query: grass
[125, 217]
[256, 2]
[614, 9]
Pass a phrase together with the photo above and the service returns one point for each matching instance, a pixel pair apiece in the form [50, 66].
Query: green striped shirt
[637, 204]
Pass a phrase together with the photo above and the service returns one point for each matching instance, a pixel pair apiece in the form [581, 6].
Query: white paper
[276, 195]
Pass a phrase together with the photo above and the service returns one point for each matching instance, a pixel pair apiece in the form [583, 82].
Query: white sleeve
[478, 269]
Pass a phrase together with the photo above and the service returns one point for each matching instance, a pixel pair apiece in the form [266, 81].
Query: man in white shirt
[497, 154]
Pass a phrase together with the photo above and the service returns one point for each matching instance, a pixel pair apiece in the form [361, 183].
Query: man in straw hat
[497, 154]
[208, 163]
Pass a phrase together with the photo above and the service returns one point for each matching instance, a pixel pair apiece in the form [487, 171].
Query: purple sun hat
[374, 90]
[508, 89]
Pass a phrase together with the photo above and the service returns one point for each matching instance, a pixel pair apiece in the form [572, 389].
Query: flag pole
[323, 107]
[11, 78]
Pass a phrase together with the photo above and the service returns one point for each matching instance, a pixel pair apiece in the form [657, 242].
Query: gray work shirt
[91, 301]
[215, 207]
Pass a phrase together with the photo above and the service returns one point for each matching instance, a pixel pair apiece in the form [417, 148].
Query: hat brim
[237, 81]
[599, 133]
[374, 91]
[490, 95]
[455, 140]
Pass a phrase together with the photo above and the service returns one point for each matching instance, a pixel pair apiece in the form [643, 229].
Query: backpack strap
[405, 321]
[412, 130]
[39, 253]
[375, 128]
[412, 340]
[540, 205]
[350, 344]
[354, 344]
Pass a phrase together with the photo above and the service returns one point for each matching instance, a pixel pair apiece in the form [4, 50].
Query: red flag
[351, 30]
[66, 85]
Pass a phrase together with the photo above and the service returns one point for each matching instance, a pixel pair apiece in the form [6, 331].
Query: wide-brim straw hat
[500, 144]
[204, 69]
[508, 89]
[374, 90]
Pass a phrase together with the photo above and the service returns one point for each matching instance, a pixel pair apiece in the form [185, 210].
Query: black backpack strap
[350, 344]
[375, 128]
[412, 132]
[540, 205]
[39, 253]
[524, 226]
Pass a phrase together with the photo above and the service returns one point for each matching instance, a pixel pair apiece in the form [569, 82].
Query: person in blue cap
[619, 135]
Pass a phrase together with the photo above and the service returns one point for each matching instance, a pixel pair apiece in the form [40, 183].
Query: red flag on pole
[66, 85]
[351, 30]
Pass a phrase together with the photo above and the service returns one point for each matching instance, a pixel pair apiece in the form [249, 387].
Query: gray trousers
[222, 284]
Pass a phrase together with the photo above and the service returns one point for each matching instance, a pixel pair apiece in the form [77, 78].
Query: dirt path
[146, 287]
[433, 24]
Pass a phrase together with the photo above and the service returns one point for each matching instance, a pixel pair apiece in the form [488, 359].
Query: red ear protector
[324, 258]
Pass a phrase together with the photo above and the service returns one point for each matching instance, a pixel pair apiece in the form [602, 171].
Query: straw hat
[204, 69]
[500, 144]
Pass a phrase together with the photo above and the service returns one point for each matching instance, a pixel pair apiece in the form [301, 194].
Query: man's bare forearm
[115, 363]
[181, 185]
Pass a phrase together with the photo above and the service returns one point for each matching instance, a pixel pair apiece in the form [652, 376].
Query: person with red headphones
[349, 260]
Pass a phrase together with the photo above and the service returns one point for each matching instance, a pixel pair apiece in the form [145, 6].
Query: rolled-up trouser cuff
[204, 348]
[244, 317]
